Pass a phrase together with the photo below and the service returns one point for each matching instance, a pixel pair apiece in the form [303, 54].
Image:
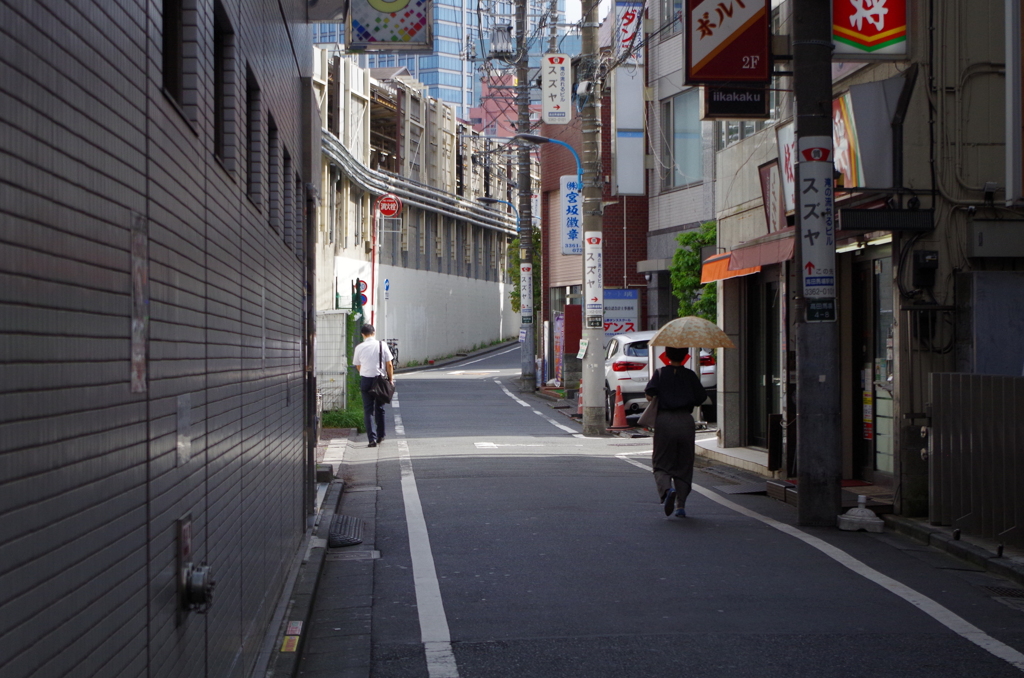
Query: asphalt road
[540, 553]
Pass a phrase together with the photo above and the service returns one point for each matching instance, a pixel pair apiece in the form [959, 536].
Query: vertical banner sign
[526, 292]
[817, 227]
[390, 26]
[628, 19]
[572, 215]
[785, 136]
[556, 89]
[728, 42]
[845, 142]
[593, 280]
[869, 29]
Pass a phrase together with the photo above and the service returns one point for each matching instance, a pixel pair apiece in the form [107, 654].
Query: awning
[717, 268]
[768, 249]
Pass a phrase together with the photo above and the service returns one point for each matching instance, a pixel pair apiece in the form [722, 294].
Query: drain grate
[345, 531]
[335, 556]
[1004, 592]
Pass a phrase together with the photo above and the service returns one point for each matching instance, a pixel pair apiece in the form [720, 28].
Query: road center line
[939, 613]
[538, 412]
[434, 632]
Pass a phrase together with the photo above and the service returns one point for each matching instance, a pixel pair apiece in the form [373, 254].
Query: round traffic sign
[389, 205]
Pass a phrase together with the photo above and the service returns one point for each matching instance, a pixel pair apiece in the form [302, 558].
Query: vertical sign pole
[593, 226]
[527, 361]
[818, 430]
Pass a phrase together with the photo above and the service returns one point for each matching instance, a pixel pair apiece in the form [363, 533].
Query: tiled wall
[92, 479]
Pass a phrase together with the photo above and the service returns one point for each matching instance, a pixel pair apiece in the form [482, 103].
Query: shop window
[682, 155]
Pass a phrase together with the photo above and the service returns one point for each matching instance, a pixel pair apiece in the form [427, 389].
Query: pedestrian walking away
[373, 358]
[679, 391]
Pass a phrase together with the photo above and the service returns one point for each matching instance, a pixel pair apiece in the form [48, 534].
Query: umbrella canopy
[691, 331]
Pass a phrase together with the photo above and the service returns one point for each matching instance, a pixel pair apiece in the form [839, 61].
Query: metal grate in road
[345, 531]
[1005, 592]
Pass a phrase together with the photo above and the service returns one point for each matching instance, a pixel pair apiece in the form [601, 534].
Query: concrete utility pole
[589, 94]
[528, 365]
[818, 436]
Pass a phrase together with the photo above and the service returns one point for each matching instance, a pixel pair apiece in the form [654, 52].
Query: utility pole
[589, 93]
[528, 364]
[818, 437]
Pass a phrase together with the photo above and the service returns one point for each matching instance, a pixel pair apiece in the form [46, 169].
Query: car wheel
[609, 405]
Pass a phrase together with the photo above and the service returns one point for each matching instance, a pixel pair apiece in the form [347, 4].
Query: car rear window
[636, 349]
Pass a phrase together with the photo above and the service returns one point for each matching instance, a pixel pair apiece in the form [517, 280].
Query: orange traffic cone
[619, 420]
[579, 400]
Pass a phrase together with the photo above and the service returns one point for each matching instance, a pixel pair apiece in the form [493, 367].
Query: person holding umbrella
[678, 390]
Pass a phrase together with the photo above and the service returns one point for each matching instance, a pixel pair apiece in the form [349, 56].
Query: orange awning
[717, 268]
[768, 249]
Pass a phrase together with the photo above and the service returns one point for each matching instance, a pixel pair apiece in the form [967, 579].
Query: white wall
[434, 314]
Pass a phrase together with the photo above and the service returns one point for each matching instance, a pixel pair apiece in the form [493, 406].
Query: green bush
[343, 419]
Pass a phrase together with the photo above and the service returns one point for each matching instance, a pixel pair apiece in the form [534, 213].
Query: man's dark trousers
[372, 411]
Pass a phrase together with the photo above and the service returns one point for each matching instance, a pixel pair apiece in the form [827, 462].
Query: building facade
[435, 277]
[921, 156]
[155, 213]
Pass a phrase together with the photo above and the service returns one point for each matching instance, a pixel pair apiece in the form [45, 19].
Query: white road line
[941, 614]
[434, 632]
[538, 412]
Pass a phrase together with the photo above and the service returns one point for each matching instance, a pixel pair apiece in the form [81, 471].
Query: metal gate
[976, 450]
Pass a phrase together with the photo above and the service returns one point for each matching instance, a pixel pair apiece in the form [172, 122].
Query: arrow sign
[810, 267]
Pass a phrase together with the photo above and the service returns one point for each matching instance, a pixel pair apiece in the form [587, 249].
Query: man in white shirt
[373, 358]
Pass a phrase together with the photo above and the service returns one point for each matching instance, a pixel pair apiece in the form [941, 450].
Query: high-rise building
[462, 38]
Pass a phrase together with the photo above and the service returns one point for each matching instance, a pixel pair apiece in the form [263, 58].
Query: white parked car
[627, 365]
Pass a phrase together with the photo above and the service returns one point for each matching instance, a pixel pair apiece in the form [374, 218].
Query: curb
[455, 359]
[942, 538]
[284, 660]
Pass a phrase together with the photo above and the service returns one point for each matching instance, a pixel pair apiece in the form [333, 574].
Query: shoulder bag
[383, 389]
[650, 414]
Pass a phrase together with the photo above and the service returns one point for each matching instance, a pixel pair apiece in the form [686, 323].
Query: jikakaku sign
[869, 29]
[390, 26]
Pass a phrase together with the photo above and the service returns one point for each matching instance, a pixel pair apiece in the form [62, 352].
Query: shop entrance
[764, 365]
[873, 345]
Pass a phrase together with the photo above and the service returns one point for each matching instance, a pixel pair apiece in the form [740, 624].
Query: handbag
[649, 414]
[382, 389]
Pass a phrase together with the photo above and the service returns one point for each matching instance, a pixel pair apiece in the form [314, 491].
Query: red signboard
[728, 41]
[389, 205]
[867, 28]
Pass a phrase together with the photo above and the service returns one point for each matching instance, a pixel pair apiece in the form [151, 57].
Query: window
[174, 49]
[179, 55]
[274, 174]
[253, 158]
[288, 215]
[223, 87]
[671, 16]
[300, 208]
[682, 155]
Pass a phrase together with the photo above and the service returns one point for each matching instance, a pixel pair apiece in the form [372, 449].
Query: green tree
[513, 271]
[694, 298]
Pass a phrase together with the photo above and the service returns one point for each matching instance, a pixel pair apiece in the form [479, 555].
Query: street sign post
[556, 89]
[817, 227]
[389, 205]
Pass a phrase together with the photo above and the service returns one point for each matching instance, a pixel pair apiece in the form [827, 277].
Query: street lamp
[538, 139]
[525, 290]
[593, 292]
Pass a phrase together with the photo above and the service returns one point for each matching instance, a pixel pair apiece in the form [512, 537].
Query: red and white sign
[389, 205]
[864, 29]
[593, 277]
[556, 88]
[728, 41]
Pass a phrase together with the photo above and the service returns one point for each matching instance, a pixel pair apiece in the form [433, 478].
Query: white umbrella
[691, 331]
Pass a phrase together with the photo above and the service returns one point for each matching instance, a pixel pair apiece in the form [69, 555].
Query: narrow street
[509, 545]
